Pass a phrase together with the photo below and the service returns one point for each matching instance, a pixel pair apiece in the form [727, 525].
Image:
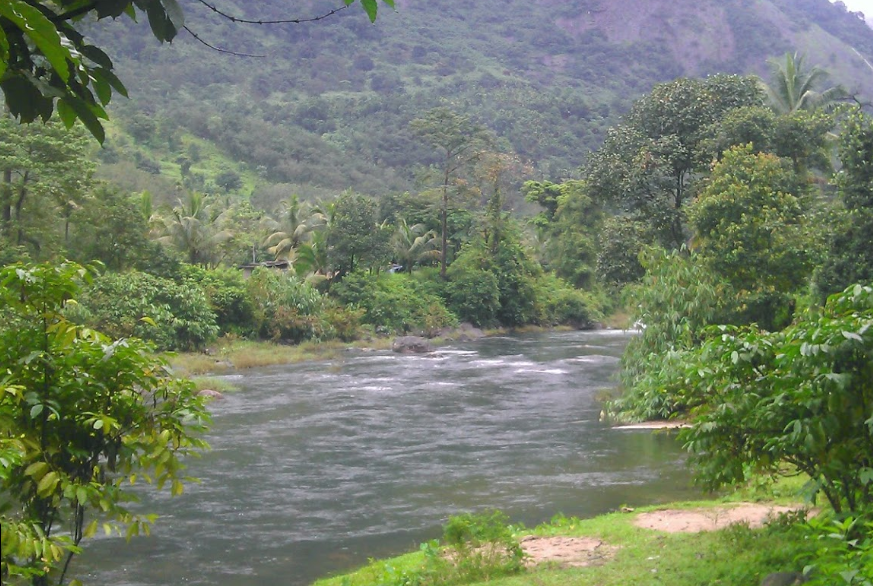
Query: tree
[459, 142]
[801, 397]
[82, 416]
[46, 64]
[568, 227]
[193, 227]
[751, 230]
[412, 244]
[297, 220]
[793, 87]
[354, 239]
[46, 174]
[648, 163]
[850, 254]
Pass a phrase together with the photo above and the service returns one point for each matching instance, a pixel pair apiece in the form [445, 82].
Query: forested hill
[327, 105]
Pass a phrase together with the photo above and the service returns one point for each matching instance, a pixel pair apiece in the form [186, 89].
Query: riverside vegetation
[721, 210]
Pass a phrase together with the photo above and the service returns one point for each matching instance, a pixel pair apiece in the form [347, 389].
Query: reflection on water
[317, 467]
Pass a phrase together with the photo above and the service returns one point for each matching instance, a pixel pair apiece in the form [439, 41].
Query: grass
[737, 556]
[228, 354]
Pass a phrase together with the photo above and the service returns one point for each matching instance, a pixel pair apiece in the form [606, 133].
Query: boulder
[411, 345]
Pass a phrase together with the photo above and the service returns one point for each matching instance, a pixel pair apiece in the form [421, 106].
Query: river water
[316, 467]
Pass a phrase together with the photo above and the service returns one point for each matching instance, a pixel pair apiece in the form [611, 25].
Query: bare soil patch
[568, 552]
[696, 520]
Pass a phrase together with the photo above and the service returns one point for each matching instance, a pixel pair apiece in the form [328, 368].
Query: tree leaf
[175, 14]
[47, 484]
[66, 113]
[370, 7]
[42, 32]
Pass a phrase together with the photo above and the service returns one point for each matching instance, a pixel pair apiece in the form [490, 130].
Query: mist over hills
[326, 105]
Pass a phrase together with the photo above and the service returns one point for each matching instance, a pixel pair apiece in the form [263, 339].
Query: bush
[561, 304]
[474, 296]
[802, 397]
[482, 546]
[394, 302]
[226, 293]
[285, 308]
[173, 316]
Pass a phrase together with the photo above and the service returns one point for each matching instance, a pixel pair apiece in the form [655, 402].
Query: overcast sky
[865, 6]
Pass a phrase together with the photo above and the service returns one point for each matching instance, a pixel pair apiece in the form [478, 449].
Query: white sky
[865, 6]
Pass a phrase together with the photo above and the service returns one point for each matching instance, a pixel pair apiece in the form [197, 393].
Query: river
[316, 467]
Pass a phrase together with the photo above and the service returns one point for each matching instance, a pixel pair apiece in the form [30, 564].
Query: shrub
[285, 308]
[562, 304]
[394, 302]
[802, 397]
[225, 291]
[173, 316]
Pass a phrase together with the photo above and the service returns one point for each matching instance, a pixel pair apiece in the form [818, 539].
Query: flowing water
[316, 467]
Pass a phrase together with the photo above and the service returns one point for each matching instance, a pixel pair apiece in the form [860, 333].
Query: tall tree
[850, 255]
[354, 239]
[752, 231]
[46, 174]
[459, 142]
[794, 86]
[194, 228]
[648, 163]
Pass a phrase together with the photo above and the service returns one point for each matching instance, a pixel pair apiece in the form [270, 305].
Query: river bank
[231, 354]
[727, 541]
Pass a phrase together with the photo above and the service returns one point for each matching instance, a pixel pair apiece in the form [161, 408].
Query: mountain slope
[327, 107]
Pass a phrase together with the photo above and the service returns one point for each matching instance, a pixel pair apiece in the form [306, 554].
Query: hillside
[326, 105]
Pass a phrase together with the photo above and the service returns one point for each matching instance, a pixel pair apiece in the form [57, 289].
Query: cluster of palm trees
[203, 230]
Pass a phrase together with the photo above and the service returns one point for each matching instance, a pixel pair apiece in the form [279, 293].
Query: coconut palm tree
[294, 226]
[795, 87]
[411, 244]
[194, 228]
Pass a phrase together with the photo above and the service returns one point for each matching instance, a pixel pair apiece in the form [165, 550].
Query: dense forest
[539, 165]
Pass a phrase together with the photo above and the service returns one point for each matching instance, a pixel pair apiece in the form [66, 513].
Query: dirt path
[588, 551]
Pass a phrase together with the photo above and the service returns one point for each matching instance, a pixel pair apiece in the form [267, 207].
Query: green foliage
[285, 308]
[844, 551]
[506, 263]
[82, 416]
[802, 397]
[45, 57]
[751, 231]
[673, 303]
[482, 546]
[568, 227]
[850, 256]
[354, 239]
[647, 164]
[226, 294]
[473, 292]
[394, 303]
[45, 175]
[793, 87]
[121, 242]
[171, 315]
[621, 241]
[561, 304]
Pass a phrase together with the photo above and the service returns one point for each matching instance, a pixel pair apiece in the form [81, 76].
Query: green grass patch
[736, 556]
[229, 354]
